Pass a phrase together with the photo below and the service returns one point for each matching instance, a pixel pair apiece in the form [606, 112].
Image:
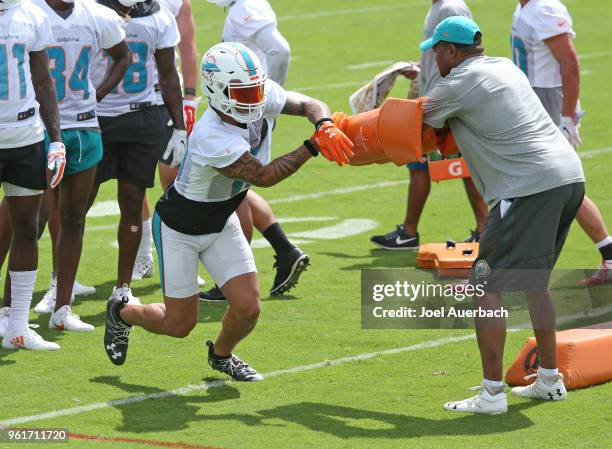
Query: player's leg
[74, 192]
[406, 235]
[5, 231]
[590, 219]
[143, 266]
[479, 207]
[291, 261]
[130, 198]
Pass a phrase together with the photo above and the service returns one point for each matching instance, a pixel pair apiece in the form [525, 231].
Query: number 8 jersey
[23, 29]
[77, 39]
[144, 35]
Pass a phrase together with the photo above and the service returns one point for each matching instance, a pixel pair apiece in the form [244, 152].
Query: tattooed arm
[249, 169]
[302, 105]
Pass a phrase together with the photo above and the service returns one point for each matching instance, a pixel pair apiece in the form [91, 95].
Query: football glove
[190, 108]
[340, 119]
[177, 147]
[333, 143]
[569, 128]
[56, 162]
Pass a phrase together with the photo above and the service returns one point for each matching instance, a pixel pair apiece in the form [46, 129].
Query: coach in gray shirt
[533, 179]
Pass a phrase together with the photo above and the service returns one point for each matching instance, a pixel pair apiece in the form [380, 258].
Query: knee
[249, 308]
[182, 329]
[27, 231]
[73, 222]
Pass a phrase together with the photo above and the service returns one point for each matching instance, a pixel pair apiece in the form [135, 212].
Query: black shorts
[131, 147]
[25, 166]
[518, 252]
[167, 130]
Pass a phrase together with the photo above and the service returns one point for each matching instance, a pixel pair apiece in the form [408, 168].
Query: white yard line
[368, 65]
[340, 191]
[330, 86]
[218, 383]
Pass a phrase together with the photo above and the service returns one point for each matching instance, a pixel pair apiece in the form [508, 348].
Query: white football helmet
[223, 3]
[233, 79]
[8, 4]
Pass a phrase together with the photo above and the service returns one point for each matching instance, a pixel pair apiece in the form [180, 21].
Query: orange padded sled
[584, 356]
[448, 169]
[392, 132]
[446, 144]
[449, 261]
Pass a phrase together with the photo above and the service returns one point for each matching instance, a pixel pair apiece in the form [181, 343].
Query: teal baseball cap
[456, 29]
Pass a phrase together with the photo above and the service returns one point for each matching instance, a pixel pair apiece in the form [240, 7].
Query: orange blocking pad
[584, 357]
[448, 169]
[451, 261]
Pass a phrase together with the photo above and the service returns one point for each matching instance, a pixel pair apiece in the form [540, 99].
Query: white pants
[225, 255]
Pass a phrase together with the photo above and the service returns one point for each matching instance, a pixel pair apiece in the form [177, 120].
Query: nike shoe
[397, 240]
[79, 289]
[288, 267]
[5, 313]
[124, 292]
[143, 268]
[213, 295]
[473, 238]
[603, 275]
[116, 331]
[47, 303]
[27, 339]
[64, 319]
[232, 366]
[545, 387]
[484, 402]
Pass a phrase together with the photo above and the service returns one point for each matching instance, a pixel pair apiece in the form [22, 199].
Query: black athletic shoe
[116, 332]
[232, 366]
[213, 295]
[473, 238]
[397, 240]
[288, 267]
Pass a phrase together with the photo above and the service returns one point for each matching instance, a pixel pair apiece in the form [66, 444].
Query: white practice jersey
[77, 40]
[244, 19]
[174, 6]
[216, 144]
[144, 36]
[23, 29]
[534, 23]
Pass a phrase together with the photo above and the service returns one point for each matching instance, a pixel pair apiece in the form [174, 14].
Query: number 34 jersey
[144, 35]
[77, 40]
[23, 29]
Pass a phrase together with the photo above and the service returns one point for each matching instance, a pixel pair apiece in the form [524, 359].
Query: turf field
[330, 384]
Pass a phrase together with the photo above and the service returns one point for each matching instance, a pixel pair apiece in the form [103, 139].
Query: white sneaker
[64, 319]
[124, 292]
[5, 313]
[484, 402]
[143, 268]
[79, 289]
[27, 339]
[201, 282]
[548, 388]
[47, 303]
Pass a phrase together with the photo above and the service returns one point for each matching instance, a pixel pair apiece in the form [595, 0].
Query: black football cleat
[288, 267]
[232, 366]
[116, 332]
[397, 240]
[213, 295]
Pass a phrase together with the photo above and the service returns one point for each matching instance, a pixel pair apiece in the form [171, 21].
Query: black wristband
[323, 120]
[189, 91]
[311, 148]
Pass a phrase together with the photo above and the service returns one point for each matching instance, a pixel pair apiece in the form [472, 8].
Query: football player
[143, 267]
[131, 124]
[253, 23]
[80, 32]
[195, 219]
[542, 46]
[406, 235]
[27, 94]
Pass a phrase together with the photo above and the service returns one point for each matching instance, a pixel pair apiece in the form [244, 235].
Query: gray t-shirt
[439, 11]
[510, 144]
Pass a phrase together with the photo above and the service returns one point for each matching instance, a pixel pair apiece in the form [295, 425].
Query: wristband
[311, 148]
[189, 91]
[323, 120]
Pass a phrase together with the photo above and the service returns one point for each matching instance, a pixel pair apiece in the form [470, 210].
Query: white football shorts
[225, 255]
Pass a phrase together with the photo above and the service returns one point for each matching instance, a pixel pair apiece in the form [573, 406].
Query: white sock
[548, 372]
[493, 383]
[22, 287]
[604, 242]
[145, 249]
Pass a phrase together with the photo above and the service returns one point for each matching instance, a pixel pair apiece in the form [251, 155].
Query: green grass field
[390, 400]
